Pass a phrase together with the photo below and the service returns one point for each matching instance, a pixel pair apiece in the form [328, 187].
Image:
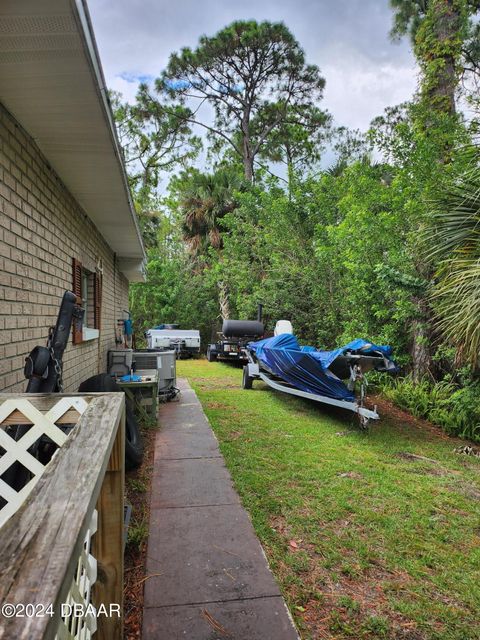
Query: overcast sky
[347, 39]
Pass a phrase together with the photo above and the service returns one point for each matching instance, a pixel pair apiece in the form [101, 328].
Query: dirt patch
[473, 464]
[138, 491]
[422, 465]
[467, 490]
[279, 524]
[406, 634]
[346, 606]
[432, 471]
[414, 458]
[234, 435]
[350, 474]
[216, 405]
[329, 604]
[216, 383]
[349, 605]
[402, 419]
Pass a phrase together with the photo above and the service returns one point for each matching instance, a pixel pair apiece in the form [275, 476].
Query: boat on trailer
[335, 378]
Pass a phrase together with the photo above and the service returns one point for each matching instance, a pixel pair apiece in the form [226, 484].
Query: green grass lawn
[365, 540]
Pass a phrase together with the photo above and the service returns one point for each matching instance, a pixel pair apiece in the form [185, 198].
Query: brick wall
[42, 229]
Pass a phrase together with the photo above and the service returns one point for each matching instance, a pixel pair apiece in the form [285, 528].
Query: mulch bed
[136, 554]
[401, 417]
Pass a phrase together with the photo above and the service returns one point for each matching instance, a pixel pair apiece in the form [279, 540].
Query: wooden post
[107, 543]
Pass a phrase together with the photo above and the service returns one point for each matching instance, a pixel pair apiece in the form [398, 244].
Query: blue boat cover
[305, 368]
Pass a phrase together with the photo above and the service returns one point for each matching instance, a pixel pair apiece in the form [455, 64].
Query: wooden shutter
[77, 333]
[97, 293]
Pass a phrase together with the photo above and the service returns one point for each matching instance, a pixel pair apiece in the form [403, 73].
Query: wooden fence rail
[61, 541]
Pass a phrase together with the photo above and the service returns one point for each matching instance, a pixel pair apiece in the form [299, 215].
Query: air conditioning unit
[163, 362]
[119, 361]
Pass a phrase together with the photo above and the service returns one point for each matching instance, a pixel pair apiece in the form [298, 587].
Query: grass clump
[138, 531]
[137, 484]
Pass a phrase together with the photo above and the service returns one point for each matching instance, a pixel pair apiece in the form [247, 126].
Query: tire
[133, 438]
[247, 381]
[211, 356]
[17, 476]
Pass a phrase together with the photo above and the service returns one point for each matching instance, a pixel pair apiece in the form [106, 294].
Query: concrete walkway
[214, 581]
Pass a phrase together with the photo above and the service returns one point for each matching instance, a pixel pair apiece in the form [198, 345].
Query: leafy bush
[453, 407]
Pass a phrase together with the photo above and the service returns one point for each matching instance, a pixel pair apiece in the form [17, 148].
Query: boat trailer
[336, 378]
[251, 372]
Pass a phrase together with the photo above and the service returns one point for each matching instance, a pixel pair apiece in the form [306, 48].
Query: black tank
[241, 328]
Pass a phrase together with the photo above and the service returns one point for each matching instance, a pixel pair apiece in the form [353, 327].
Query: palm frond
[455, 240]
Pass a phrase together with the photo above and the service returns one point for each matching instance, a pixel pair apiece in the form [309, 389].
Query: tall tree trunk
[223, 300]
[446, 27]
[248, 167]
[288, 155]
[440, 76]
[247, 147]
[440, 61]
[421, 340]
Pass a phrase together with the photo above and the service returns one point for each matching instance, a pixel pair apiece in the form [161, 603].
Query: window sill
[89, 334]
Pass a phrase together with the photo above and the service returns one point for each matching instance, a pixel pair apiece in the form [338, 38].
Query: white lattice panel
[79, 621]
[43, 424]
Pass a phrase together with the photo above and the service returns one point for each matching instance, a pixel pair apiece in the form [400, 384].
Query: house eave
[52, 83]
[132, 268]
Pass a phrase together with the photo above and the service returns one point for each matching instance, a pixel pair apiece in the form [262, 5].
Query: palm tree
[456, 238]
[205, 200]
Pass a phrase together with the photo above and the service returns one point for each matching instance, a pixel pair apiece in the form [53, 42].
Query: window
[87, 285]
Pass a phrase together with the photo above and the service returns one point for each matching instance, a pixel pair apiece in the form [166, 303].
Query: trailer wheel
[211, 355]
[247, 380]
[133, 438]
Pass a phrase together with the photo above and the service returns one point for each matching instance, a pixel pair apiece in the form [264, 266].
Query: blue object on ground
[306, 368]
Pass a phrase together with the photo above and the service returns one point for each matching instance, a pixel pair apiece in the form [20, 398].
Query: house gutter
[82, 17]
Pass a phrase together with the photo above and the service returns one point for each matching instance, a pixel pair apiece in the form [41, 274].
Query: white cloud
[356, 93]
[347, 39]
[126, 88]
